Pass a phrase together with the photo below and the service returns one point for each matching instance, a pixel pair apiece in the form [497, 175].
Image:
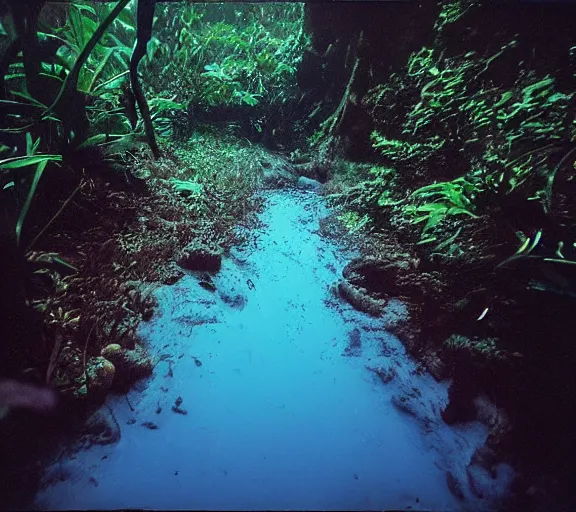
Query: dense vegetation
[73, 140]
[468, 197]
[127, 136]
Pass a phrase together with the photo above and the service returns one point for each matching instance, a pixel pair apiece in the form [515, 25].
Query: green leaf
[427, 240]
[187, 187]
[98, 71]
[26, 96]
[19, 162]
[448, 241]
[37, 175]
[456, 211]
[432, 207]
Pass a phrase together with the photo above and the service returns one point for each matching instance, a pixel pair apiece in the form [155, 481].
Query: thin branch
[39, 235]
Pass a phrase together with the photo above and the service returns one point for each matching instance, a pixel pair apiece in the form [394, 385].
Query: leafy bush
[485, 148]
[243, 58]
[484, 347]
[438, 201]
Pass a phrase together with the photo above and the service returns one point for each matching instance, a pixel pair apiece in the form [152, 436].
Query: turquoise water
[279, 414]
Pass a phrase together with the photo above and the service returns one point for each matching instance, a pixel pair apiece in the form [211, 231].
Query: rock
[56, 474]
[476, 480]
[489, 414]
[360, 300]
[493, 417]
[101, 428]
[460, 408]
[408, 333]
[376, 275]
[130, 365]
[277, 175]
[171, 275]
[395, 277]
[200, 257]
[208, 285]
[100, 375]
[435, 365]
[309, 184]
[112, 351]
[394, 314]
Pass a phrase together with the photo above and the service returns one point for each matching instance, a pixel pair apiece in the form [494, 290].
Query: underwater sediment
[422, 157]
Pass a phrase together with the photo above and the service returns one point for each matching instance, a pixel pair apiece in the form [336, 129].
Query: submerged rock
[100, 375]
[397, 276]
[375, 275]
[435, 365]
[101, 428]
[495, 418]
[277, 175]
[201, 257]
[131, 365]
[359, 299]
[309, 184]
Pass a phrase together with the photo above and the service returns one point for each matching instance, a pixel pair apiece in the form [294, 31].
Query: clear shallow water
[278, 417]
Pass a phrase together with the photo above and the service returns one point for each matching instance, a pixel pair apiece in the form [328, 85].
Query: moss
[484, 347]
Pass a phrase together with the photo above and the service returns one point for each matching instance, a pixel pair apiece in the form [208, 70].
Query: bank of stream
[271, 392]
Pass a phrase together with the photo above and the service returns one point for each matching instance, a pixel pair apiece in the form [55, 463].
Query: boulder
[309, 184]
[200, 257]
[276, 175]
[435, 365]
[100, 375]
[131, 365]
[376, 275]
[359, 299]
[101, 428]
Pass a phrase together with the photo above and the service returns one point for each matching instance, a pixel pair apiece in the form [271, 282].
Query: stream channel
[264, 398]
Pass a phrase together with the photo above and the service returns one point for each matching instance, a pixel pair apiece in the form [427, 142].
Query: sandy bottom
[282, 412]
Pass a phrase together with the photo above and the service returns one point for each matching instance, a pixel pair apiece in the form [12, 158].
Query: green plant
[241, 59]
[437, 201]
[353, 221]
[452, 10]
[17, 170]
[485, 347]
[401, 150]
[187, 188]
